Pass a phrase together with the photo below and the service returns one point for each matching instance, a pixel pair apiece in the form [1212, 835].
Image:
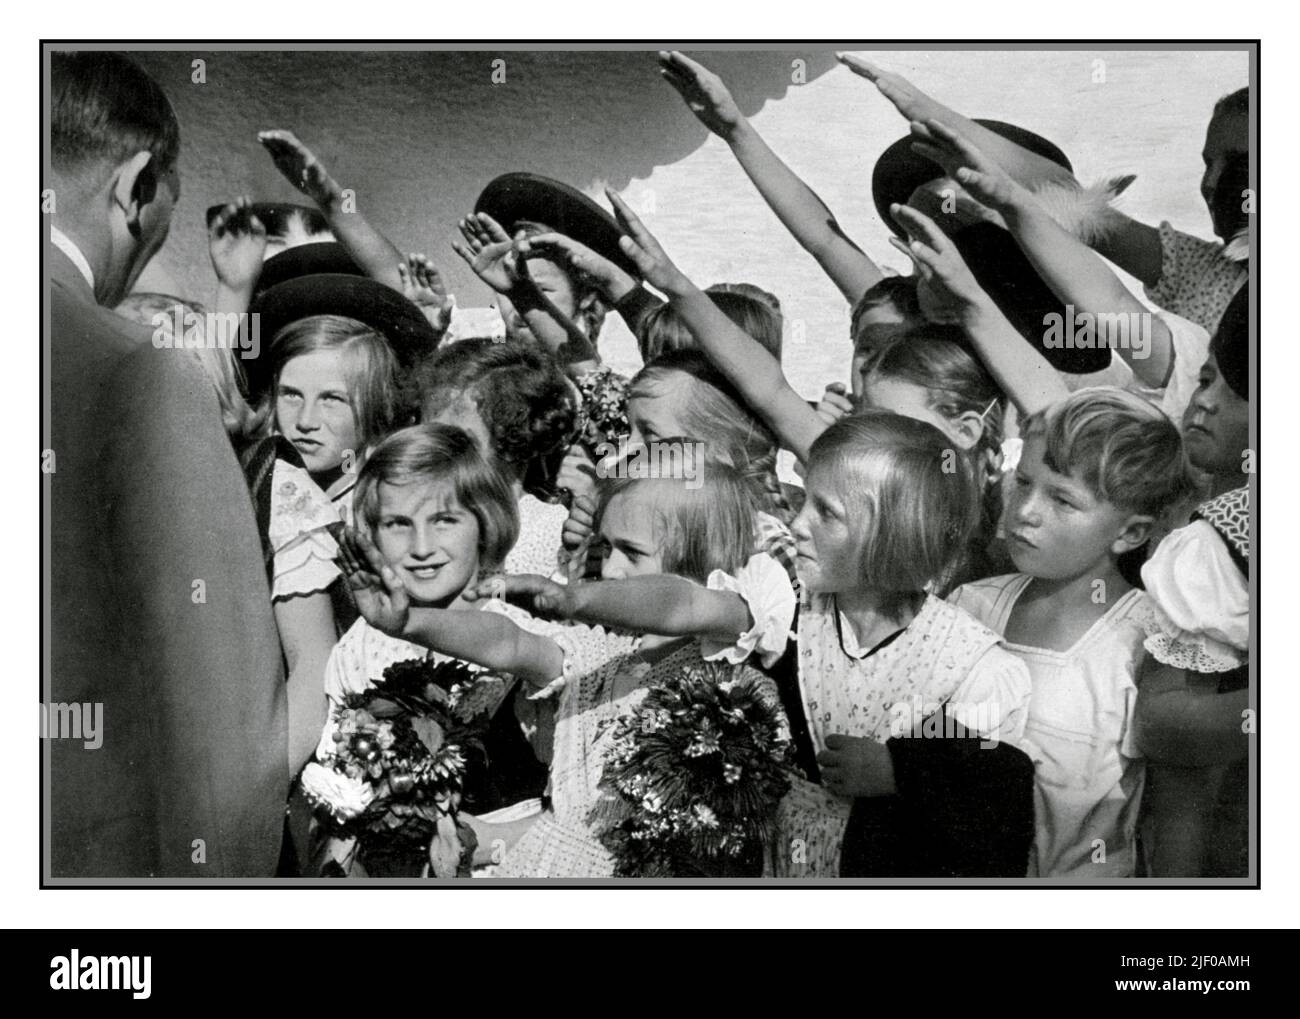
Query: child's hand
[489, 251]
[835, 403]
[909, 100]
[613, 282]
[983, 178]
[576, 536]
[704, 92]
[639, 244]
[540, 596]
[237, 244]
[945, 287]
[422, 285]
[577, 474]
[300, 166]
[856, 767]
[376, 588]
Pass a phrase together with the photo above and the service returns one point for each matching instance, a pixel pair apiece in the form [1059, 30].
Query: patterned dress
[943, 659]
[563, 842]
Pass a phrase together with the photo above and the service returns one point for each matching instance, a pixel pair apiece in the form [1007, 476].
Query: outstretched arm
[1133, 246]
[480, 637]
[665, 605]
[370, 249]
[1073, 271]
[949, 293]
[745, 362]
[805, 215]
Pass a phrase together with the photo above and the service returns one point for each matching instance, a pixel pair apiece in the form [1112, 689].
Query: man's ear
[134, 187]
[1134, 533]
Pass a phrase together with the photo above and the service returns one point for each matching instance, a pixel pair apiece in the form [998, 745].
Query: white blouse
[305, 551]
[1200, 600]
[1088, 772]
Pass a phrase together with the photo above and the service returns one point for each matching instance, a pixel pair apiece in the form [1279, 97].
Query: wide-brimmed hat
[991, 253]
[368, 301]
[515, 198]
[315, 259]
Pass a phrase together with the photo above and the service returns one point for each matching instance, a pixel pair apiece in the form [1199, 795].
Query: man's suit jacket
[159, 611]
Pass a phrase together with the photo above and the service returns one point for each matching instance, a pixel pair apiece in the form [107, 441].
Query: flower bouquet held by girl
[389, 794]
[694, 778]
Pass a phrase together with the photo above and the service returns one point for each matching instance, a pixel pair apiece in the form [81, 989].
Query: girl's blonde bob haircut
[914, 496]
[425, 453]
[701, 527]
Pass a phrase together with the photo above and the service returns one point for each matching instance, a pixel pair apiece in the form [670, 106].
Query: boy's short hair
[432, 452]
[1123, 448]
[526, 403]
[105, 106]
[916, 497]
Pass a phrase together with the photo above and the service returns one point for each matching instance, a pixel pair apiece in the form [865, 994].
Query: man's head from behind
[114, 143]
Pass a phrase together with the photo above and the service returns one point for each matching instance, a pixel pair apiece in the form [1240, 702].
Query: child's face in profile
[628, 527]
[1056, 528]
[1216, 424]
[314, 411]
[1226, 137]
[428, 538]
[825, 540]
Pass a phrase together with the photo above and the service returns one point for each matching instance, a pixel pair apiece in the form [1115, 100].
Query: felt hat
[368, 301]
[515, 198]
[991, 253]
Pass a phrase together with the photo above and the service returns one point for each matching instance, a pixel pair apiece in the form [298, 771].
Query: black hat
[991, 253]
[306, 260]
[515, 198]
[900, 170]
[1231, 343]
[367, 301]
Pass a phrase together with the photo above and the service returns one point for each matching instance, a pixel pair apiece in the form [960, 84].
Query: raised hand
[300, 166]
[640, 245]
[489, 251]
[237, 244]
[422, 285]
[946, 289]
[909, 100]
[835, 403]
[986, 181]
[704, 93]
[376, 588]
[613, 282]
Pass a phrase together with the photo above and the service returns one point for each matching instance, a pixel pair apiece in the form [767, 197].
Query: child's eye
[290, 396]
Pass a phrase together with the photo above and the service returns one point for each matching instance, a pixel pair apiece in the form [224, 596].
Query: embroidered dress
[943, 657]
[563, 841]
[298, 531]
[1197, 582]
[1088, 772]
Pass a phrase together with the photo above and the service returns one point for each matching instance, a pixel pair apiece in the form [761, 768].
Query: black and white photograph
[767, 464]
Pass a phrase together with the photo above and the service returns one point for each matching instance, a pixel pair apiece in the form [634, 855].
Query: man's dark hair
[105, 106]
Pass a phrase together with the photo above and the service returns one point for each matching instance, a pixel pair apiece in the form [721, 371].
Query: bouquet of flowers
[695, 776]
[392, 788]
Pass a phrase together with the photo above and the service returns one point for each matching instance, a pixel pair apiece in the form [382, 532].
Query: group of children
[1006, 618]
